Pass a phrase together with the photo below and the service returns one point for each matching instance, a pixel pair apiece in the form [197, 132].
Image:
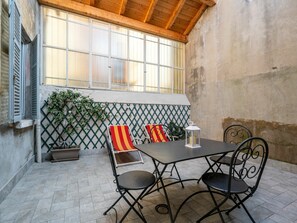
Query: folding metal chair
[241, 181]
[122, 144]
[233, 134]
[156, 133]
[129, 181]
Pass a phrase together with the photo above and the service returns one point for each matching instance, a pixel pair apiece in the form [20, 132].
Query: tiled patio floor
[80, 191]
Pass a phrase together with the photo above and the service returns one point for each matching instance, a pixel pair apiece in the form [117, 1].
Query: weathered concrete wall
[241, 62]
[16, 146]
[280, 137]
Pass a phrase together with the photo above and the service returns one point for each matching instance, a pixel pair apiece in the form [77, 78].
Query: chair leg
[216, 204]
[185, 201]
[216, 208]
[122, 195]
[133, 208]
[134, 199]
[219, 168]
[239, 203]
[244, 207]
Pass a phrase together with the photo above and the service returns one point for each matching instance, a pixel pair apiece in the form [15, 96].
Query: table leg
[164, 189]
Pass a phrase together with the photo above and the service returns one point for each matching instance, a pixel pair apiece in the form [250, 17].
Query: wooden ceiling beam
[123, 7]
[87, 2]
[195, 19]
[150, 10]
[209, 3]
[103, 15]
[175, 13]
[94, 3]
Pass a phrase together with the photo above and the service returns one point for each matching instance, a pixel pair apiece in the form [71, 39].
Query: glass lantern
[193, 136]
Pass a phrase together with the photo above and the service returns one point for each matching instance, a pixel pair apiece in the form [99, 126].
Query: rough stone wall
[241, 63]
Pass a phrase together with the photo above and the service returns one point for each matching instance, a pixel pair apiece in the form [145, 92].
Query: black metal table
[175, 151]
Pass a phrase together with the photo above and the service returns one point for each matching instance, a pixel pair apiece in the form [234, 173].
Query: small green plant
[70, 111]
[176, 131]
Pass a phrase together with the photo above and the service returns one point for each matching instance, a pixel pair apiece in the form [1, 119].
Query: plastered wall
[241, 63]
[16, 145]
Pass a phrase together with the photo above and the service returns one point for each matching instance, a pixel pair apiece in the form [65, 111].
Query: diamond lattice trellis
[134, 115]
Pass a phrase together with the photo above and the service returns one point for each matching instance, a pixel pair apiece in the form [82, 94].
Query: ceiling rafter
[195, 19]
[209, 3]
[175, 13]
[96, 13]
[123, 7]
[94, 3]
[150, 10]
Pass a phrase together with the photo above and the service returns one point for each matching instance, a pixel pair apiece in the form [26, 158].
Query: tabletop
[176, 151]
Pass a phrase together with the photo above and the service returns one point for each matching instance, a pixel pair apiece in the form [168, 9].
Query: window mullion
[67, 50]
[109, 57]
[128, 56]
[144, 63]
[90, 53]
[159, 76]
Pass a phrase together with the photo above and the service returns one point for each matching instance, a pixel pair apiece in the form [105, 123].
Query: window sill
[25, 123]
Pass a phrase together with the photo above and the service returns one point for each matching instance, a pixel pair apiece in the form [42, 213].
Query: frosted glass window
[78, 69]
[54, 13]
[178, 81]
[77, 18]
[166, 55]
[54, 32]
[166, 41]
[100, 72]
[151, 38]
[178, 57]
[152, 79]
[78, 37]
[119, 29]
[136, 49]
[100, 25]
[136, 78]
[151, 52]
[119, 45]
[54, 67]
[84, 52]
[119, 74]
[165, 80]
[100, 41]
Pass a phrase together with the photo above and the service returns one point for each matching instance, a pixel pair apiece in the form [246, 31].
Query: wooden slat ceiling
[173, 19]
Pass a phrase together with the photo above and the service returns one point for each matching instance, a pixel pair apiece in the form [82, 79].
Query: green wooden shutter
[15, 81]
[35, 78]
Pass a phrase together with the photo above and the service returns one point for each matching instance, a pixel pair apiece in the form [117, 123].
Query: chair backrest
[112, 162]
[121, 138]
[236, 134]
[156, 133]
[253, 152]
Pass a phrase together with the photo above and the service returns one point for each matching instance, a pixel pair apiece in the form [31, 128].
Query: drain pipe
[38, 141]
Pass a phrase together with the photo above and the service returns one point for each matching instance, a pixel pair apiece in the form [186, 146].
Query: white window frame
[110, 57]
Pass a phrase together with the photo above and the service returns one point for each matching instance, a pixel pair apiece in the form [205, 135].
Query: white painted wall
[124, 97]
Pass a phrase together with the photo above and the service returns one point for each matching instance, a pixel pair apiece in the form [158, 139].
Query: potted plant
[70, 111]
[175, 131]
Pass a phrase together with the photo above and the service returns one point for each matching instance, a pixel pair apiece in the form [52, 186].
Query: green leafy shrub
[70, 111]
